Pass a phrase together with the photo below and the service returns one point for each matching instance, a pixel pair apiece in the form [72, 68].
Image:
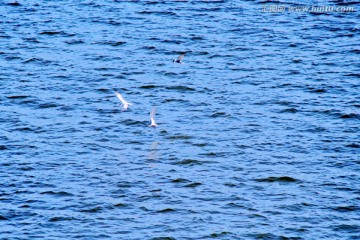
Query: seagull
[152, 117]
[178, 60]
[123, 102]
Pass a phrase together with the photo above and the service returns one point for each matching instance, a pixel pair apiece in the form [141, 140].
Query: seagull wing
[181, 57]
[120, 97]
[152, 113]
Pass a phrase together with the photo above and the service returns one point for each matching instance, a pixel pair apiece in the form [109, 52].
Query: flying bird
[178, 60]
[152, 117]
[124, 103]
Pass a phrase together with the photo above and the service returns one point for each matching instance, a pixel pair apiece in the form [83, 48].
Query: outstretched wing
[152, 113]
[180, 57]
[119, 97]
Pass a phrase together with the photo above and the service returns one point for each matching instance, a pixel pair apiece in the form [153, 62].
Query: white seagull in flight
[178, 60]
[152, 117]
[124, 103]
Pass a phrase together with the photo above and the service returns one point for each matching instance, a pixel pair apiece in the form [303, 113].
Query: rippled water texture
[258, 134]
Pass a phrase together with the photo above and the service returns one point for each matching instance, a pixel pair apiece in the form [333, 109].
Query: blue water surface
[258, 131]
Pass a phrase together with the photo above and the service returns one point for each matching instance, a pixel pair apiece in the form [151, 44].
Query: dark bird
[178, 60]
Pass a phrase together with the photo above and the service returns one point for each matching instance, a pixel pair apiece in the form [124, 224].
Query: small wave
[120, 205]
[31, 39]
[201, 53]
[166, 210]
[92, 210]
[277, 179]
[346, 208]
[133, 122]
[180, 88]
[37, 60]
[24, 129]
[110, 111]
[218, 114]
[101, 69]
[271, 236]
[17, 97]
[124, 184]
[353, 75]
[316, 129]
[193, 185]
[353, 145]
[356, 51]
[149, 47]
[174, 100]
[149, 86]
[234, 205]
[173, 41]
[171, 74]
[5, 36]
[58, 194]
[163, 238]
[158, 13]
[111, 43]
[47, 105]
[350, 115]
[135, 143]
[175, 137]
[190, 162]
[180, 180]
[103, 90]
[346, 3]
[74, 42]
[289, 110]
[153, 2]
[200, 144]
[25, 168]
[51, 32]
[214, 154]
[197, 38]
[347, 228]
[58, 219]
[319, 90]
[218, 235]
[283, 103]
[14, 4]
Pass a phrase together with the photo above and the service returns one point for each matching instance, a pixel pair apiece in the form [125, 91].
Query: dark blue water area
[258, 131]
